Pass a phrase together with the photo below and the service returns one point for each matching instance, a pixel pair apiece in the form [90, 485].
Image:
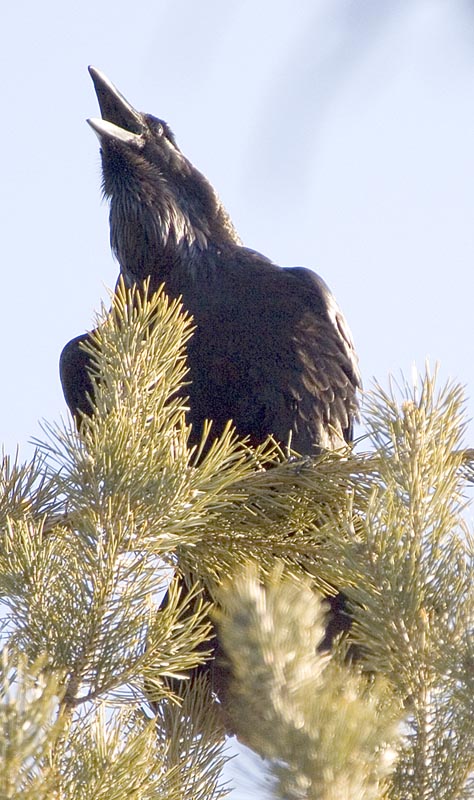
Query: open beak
[120, 121]
[113, 105]
[107, 130]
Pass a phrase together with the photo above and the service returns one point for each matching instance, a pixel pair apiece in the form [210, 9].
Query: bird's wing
[272, 352]
[74, 367]
[330, 372]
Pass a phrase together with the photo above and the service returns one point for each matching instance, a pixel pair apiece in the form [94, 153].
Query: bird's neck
[180, 266]
[168, 246]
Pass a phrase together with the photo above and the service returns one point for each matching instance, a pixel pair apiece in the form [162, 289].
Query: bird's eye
[161, 129]
[156, 125]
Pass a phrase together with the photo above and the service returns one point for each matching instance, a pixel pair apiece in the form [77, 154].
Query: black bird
[271, 350]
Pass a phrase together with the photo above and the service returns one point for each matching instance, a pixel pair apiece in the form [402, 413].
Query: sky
[338, 133]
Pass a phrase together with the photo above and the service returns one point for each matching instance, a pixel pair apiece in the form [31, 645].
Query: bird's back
[271, 351]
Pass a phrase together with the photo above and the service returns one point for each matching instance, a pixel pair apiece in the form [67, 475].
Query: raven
[271, 350]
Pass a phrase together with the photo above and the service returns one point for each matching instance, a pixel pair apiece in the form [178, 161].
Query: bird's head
[162, 209]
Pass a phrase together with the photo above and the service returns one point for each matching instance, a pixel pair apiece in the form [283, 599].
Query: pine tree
[92, 529]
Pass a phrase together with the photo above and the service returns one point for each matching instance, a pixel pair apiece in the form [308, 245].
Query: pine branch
[328, 732]
[29, 728]
[406, 565]
[87, 528]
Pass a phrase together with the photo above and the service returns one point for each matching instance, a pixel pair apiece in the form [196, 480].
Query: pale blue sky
[339, 134]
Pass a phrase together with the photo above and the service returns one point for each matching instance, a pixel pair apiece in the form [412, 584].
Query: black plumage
[271, 350]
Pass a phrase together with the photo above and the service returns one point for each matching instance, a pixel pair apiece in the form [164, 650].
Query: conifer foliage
[92, 529]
